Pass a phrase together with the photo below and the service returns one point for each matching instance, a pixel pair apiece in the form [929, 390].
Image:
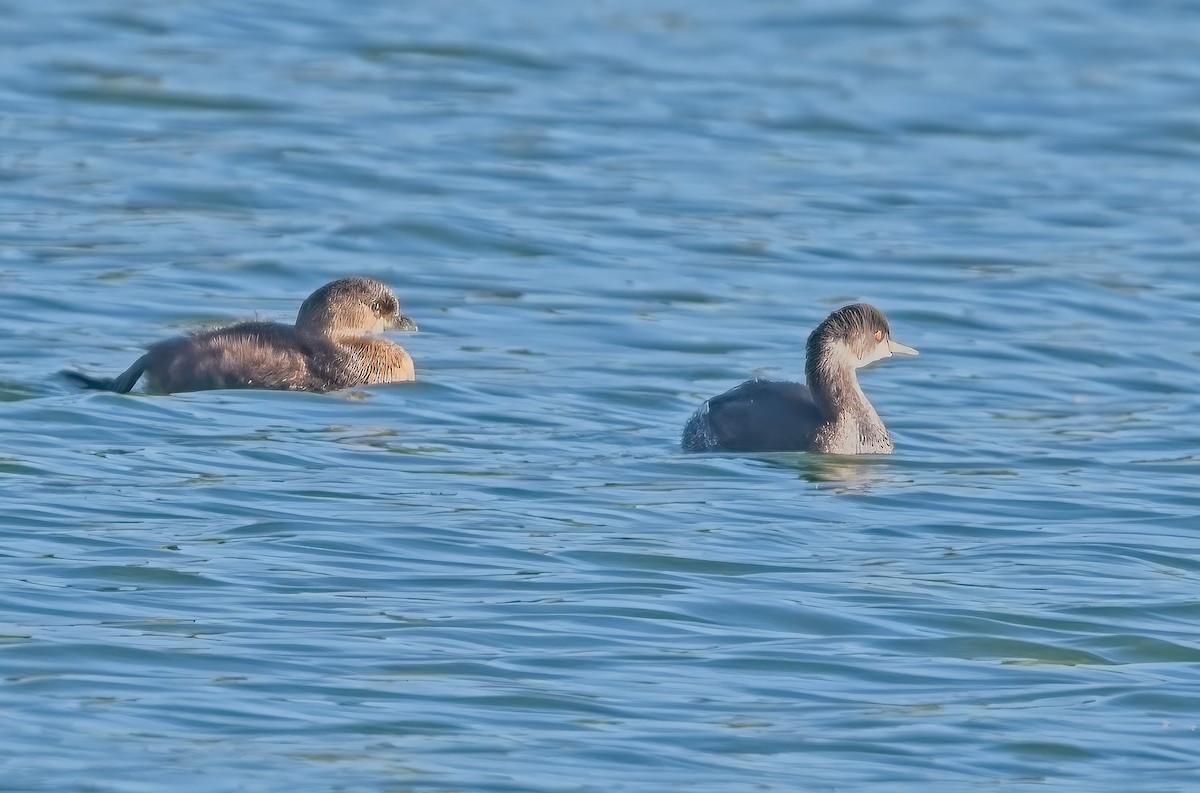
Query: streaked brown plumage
[328, 348]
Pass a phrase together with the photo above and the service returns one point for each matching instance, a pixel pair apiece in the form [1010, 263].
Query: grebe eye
[376, 307]
[878, 335]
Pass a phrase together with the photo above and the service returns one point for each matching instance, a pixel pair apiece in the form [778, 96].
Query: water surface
[506, 577]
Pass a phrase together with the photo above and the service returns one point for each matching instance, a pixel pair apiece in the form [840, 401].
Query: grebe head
[351, 307]
[852, 337]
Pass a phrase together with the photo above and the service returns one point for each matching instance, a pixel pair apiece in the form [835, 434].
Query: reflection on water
[846, 474]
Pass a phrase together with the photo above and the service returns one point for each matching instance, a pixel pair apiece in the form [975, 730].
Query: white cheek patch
[877, 353]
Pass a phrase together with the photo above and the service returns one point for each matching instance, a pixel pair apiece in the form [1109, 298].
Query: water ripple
[505, 576]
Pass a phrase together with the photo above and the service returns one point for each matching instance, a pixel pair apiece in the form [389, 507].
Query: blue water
[506, 577]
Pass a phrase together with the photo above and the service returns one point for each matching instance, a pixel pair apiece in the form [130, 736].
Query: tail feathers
[121, 384]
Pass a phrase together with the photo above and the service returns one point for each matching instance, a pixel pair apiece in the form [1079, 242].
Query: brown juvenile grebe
[328, 348]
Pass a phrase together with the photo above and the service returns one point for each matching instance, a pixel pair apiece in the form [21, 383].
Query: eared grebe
[328, 348]
[830, 414]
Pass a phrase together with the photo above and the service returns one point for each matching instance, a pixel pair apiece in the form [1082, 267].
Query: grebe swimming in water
[328, 348]
[829, 414]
